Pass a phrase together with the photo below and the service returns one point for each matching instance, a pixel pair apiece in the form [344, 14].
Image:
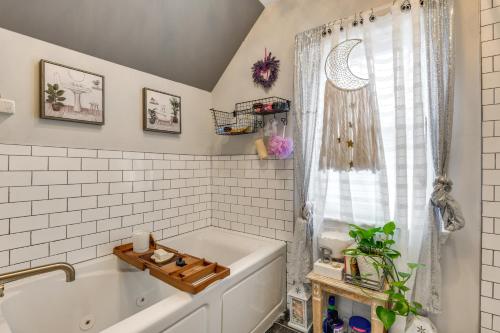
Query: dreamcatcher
[350, 123]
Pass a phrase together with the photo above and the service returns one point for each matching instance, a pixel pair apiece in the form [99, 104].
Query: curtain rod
[359, 18]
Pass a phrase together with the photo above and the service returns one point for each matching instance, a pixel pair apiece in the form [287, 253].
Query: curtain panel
[408, 57]
[306, 93]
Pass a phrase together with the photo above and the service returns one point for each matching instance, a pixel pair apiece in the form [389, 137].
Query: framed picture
[71, 94]
[161, 111]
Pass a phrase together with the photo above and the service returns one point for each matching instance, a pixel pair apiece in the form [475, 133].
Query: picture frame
[71, 94]
[162, 111]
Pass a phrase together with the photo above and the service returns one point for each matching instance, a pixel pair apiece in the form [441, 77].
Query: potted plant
[55, 96]
[374, 245]
[176, 106]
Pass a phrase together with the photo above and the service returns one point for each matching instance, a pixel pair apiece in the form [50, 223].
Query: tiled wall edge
[490, 226]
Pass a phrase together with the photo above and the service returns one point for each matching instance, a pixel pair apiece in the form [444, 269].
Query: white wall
[461, 254]
[19, 58]
[276, 29]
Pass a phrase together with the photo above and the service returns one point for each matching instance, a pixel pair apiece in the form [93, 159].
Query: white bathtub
[112, 297]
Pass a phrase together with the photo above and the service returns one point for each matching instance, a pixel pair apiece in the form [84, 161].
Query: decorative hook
[361, 19]
[342, 25]
[355, 22]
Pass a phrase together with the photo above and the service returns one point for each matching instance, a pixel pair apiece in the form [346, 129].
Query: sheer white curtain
[408, 78]
[391, 55]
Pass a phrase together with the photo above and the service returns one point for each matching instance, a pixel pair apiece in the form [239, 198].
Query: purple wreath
[270, 65]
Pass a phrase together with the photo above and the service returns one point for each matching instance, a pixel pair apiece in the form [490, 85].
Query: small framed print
[71, 94]
[298, 312]
[161, 112]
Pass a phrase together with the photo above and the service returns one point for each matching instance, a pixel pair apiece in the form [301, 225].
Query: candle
[140, 241]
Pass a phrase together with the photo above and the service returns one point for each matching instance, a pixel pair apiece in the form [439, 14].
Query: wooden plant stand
[322, 284]
[195, 276]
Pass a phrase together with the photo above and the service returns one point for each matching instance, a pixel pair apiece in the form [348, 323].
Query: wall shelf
[248, 116]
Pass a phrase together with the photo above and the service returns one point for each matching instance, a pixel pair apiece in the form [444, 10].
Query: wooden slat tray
[195, 276]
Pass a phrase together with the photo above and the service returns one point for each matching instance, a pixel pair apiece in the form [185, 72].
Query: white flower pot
[367, 270]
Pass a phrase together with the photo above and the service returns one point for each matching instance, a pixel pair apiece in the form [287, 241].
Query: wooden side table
[322, 284]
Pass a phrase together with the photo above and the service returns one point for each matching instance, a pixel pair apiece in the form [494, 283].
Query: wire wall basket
[235, 123]
[248, 116]
[265, 106]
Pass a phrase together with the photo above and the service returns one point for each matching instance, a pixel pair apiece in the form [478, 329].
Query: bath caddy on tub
[195, 276]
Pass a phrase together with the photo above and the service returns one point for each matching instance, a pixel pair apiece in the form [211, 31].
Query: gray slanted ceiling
[188, 41]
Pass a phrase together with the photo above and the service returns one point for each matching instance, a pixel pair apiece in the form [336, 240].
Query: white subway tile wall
[66, 204]
[254, 196]
[490, 280]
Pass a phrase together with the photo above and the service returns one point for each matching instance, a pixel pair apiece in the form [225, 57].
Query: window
[367, 198]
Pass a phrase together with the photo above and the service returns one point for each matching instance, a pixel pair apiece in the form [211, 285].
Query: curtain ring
[406, 6]
[372, 17]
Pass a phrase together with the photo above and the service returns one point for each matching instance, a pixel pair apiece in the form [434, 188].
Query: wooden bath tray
[195, 276]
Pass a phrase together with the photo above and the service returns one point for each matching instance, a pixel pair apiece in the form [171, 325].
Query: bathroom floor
[280, 327]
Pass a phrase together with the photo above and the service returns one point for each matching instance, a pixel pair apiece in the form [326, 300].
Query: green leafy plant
[176, 107]
[55, 96]
[375, 245]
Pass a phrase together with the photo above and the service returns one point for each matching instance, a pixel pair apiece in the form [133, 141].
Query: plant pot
[367, 270]
[56, 107]
[175, 120]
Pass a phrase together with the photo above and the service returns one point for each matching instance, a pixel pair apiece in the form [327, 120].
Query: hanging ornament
[350, 123]
[265, 72]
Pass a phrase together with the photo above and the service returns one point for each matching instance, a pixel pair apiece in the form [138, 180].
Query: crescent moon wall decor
[337, 67]
[351, 131]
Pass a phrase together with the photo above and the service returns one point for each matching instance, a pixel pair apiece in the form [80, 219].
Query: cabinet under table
[322, 285]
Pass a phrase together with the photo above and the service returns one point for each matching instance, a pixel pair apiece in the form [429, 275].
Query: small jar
[338, 327]
[359, 324]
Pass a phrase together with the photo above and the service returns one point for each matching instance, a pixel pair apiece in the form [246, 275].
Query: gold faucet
[24, 273]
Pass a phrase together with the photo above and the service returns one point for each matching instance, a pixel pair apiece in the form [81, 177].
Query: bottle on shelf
[332, 322]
